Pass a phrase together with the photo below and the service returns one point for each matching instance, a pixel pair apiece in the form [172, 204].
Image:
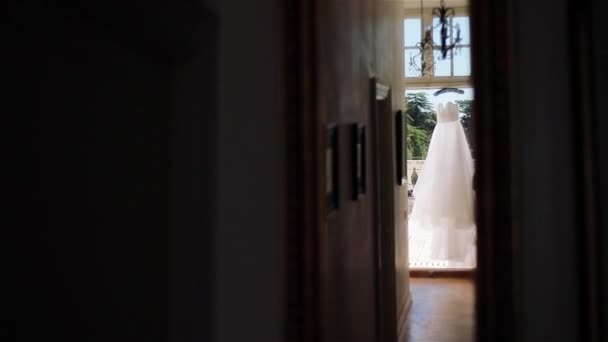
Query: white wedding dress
[442, 220]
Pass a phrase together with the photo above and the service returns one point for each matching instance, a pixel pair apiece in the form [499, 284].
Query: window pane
[463, 22]
[409, 70]
[436, 31]
[411, 31]
[442, 66]
[462, 62]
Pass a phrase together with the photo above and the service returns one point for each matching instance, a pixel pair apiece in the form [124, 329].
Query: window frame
[419, 82]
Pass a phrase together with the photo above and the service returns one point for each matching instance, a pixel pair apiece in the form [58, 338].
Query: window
[412, 33]
[458, 63]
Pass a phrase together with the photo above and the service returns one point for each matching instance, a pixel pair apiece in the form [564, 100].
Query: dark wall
[355, 44]
[546, 183]
[600, 109]
[344, 87]
[193, 178]
[250, 184]
[390, 69]
[106, 137]
[547, 115]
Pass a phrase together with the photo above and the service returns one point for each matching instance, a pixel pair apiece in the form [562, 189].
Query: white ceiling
[434, 3]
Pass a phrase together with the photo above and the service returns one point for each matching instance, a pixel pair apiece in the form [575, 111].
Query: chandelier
[449, 36]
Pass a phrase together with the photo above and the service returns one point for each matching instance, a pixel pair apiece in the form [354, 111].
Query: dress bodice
[447, 112]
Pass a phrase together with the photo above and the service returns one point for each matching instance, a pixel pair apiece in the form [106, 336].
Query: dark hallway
[230, 170]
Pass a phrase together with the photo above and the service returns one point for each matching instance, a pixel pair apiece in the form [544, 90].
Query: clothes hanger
[448, 90]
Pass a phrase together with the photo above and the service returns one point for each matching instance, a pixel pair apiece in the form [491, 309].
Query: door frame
[383, 174]
[303, 135]
[497, 230]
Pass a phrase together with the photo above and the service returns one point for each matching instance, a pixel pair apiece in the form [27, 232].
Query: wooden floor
[442, 310]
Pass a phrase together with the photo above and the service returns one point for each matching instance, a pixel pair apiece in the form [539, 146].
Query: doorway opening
[344, 245]
[441, 225]
[440, 158]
